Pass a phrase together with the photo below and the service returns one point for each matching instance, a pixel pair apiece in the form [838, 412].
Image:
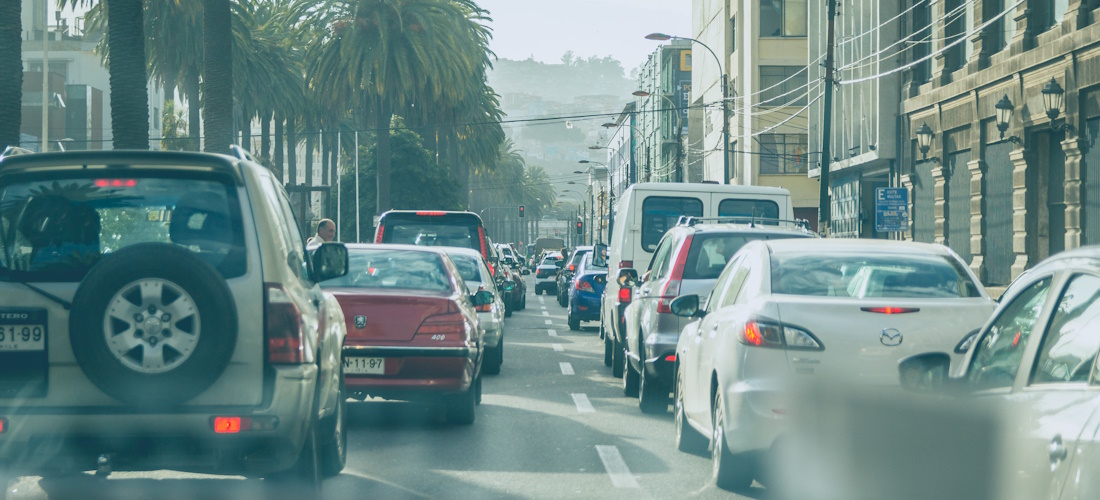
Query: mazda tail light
[283, 328]
[890, 310]
[778, 336]
[672, 286]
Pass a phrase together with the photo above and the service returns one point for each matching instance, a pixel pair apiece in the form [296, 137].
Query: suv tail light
[381, 231]
[625, 295]
[626, 264]
[451, 324]
[672, 286]
[777, 336]
[283, 327]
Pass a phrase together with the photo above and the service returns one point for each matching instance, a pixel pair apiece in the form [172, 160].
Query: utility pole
[824, 205]
[45, 75]
[726, 126]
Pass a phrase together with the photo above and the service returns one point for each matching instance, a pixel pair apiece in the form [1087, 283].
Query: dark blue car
[585, 291]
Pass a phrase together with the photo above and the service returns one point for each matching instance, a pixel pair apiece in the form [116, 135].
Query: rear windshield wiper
[64, 303]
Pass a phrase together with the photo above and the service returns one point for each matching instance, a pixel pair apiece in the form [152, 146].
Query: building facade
[663, 98]
[1003, 197]
[864, 135]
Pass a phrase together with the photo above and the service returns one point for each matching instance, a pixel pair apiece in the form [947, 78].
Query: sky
[546, 29]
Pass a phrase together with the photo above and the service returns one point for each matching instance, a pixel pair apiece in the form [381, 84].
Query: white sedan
[786, 310]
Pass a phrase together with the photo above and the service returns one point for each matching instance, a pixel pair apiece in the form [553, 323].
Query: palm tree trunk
[311, 143]
[217, 73]
[265, 135]
[458, 170]
[291, 146]
[324, 145]
[383, 119]
[277, 161]
[129, 90]
[11, 71]
[194, 110]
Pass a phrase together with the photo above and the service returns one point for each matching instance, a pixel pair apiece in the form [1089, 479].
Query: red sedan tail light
[449, 325]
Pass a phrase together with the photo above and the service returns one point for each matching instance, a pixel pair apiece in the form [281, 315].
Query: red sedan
[413, 331]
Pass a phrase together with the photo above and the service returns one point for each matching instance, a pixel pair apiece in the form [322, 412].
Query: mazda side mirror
[685, 306]
[627, 277]
[330, 261]
[926, 373]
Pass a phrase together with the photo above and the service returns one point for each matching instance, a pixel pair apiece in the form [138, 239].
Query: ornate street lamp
[1005, 109]
[924, 142]
[1054, 96]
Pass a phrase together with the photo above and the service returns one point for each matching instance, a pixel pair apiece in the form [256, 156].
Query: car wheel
[688, 440]
[523, 303]
[478, 390]
[507, 311]
[574, 323]
[493, 359]
[152, 324]
[334, 451]
[630, 379]
[460, 408]
[607, 348]
[652, 395]
[304, 479]
[728, 473]
[617, 356]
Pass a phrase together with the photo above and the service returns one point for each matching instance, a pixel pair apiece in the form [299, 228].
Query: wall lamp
[1005, 108]
[924, 142]
[1053, 98]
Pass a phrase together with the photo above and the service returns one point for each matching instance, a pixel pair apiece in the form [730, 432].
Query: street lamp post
[725, 100]
[676, 129]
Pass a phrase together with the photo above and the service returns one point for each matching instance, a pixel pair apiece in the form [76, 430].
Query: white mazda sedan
[789, 310]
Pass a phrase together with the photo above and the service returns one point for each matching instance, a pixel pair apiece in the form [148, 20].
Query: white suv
[162, 311]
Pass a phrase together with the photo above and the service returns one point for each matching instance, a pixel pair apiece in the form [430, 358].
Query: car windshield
[57, 229]
[394, 269]
[869, 275]
[469, 267]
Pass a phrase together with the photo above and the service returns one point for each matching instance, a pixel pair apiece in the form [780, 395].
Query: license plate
[365, 366]
[29, 337]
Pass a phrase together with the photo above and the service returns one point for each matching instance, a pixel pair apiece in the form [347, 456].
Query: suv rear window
[660, 213]
[56, 230]
[710, 252]
[751, 209]
[870, 276]
[447, 230]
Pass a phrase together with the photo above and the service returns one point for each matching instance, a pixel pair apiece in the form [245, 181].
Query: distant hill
[562, 82]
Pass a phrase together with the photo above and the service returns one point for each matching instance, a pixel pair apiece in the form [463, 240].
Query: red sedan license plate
[364, 366]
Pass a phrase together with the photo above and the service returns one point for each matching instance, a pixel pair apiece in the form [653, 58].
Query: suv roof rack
[15, 151]
[690, 221]
[242, 153]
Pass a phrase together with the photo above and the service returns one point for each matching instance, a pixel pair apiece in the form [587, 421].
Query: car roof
[465, 252]
[119, 162]
[393, 246]
[698, 187]
[745, 228]
[856, 246]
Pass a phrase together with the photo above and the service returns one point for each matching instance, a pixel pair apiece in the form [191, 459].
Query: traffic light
[580, 227]
[521, 211]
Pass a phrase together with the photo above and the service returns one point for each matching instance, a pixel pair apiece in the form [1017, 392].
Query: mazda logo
[360, 321]
[890, 337]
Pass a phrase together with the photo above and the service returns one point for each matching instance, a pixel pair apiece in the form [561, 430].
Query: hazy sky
[548, 28]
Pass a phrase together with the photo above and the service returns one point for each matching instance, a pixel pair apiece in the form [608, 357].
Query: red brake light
[381, 231]
[432, 213]
[229, 425]
[3, 425]
[445, 324]
[671, 358]
[890, 310]
[624, 295]
[484, 246]
[584, 286]
[572, 268]
[626, 264]
[672, 287]
[752, 334]
[284, 329]
[762, 334]
[103, 183]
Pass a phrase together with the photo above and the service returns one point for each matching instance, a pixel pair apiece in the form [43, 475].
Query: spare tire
[153, 325]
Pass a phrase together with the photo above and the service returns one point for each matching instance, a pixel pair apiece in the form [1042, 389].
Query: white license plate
[365, 366]
[22, 338]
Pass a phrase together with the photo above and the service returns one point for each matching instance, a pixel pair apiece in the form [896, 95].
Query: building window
[782, 154]
[783, 18]
[960, 18]
[1048, 13]
[922, 40]
[782, 87]
[1001, 31]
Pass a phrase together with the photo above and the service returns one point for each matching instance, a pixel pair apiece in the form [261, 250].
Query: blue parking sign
[891, 209]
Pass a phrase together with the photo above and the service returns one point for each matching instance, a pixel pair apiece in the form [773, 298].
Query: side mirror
[926, 372]
[482, 298]
[627, 277]
[685, 306]
[599, 255]
[330, 261]
[646, 276]
[509, 286]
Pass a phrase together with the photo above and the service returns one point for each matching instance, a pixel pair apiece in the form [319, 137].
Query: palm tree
[217, 75]
[393, 53]
[128, 77]
[11, 71]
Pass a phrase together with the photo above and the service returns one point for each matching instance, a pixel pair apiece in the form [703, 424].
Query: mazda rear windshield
[870, 276]
[57, 229]
[395, 269]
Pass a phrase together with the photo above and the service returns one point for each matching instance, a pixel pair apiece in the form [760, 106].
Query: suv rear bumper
[38, 439]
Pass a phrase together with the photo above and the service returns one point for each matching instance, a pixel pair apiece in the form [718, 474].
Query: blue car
[585, 292]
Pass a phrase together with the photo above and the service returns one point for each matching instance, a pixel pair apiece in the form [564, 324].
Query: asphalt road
[553, 424]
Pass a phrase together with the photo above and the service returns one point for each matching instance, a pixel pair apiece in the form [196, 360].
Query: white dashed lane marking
[582, 403]
[566, 368]
[559, 348]
[616, 467]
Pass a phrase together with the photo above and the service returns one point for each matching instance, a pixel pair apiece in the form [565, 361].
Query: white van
[646, 210]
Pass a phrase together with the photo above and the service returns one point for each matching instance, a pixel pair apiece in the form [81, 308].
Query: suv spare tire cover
[118, 277]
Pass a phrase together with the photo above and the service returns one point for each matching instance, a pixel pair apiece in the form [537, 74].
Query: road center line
[616, 467]
[566, 368]
[542, 300]
[553, 333]
[549, 322]
[559, 348]
[582, 403]
[546, 313]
